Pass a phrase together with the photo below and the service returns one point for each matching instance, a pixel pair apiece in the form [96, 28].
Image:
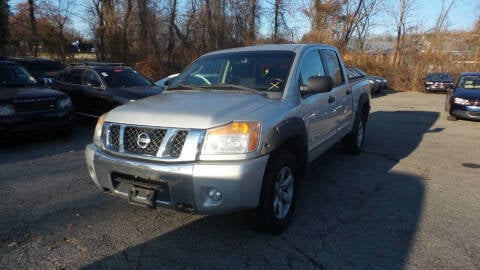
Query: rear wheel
[278, 197]
[451, 117]
[354, 140]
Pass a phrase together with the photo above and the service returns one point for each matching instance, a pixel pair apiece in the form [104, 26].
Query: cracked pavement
[411, 200]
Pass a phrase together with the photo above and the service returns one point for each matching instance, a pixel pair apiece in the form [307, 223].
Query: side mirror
[318, 84]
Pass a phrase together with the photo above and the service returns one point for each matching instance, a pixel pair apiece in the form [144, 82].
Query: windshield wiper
[183, 87]
[225, 86]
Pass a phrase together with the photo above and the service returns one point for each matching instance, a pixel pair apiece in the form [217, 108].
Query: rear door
[95, 93]
[70, 82]
[342, 105]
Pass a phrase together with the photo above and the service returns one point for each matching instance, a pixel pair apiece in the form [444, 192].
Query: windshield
[43, 66]
[439, 77]
[472, 81]
[264, 71]
[123, 77]
[15, 75]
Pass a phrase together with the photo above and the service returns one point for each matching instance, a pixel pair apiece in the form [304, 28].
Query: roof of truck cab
[470, 74]
[271, 47]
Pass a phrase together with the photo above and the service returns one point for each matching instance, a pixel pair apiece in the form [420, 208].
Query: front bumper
[182, 186]
[35, 121]
[465, 112]
[437, 88]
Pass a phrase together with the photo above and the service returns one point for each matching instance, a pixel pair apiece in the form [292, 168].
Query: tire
[65, 131]
[451, 117]
[278, 196]
[354, 140]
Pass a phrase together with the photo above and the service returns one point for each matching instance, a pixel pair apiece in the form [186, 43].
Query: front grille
[35, 104]
[114, 137]
[144, 141]
[149, 146]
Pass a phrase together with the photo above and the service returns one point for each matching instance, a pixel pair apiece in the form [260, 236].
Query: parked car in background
[352, 74]
[26, 106]
[435, 82]
[377, 83]
[463, 101]
[97, 87]
[163, 83]
[44, 70]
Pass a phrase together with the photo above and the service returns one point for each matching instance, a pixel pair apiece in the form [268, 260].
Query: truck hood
[14, 93]
[188, 109]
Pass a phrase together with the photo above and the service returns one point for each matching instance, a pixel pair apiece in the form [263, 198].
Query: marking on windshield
[274, 85]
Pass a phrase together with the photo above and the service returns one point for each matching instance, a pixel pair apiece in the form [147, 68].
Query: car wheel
[278, 196]
[354, 140]
[451, 117]
[66, 131]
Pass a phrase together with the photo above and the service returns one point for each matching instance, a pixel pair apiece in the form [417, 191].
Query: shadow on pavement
[33, 145]
[385, 92]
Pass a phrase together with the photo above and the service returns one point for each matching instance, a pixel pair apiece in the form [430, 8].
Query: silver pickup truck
[234, 131]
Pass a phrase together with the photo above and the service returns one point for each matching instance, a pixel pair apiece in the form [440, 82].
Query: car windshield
[255, 71]
[123, 77]
[472, 81]
[15, 75]
[439, 77]
[360, 72]
[43, 66]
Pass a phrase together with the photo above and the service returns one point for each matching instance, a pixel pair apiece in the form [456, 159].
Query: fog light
[214, 194]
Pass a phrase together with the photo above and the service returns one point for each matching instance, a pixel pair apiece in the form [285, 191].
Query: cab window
[334, 67]
[312, 66]
[91, 79]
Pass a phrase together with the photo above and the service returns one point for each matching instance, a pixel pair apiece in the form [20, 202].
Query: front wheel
[278, 196]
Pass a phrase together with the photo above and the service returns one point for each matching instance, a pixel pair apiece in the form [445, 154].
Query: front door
[317, 108]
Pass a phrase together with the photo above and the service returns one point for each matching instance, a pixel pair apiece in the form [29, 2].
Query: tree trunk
[33, 24]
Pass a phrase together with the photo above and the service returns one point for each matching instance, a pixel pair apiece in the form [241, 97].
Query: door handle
[331, 99]
[348, 92]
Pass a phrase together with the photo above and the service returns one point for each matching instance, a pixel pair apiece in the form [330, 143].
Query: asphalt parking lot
[411, 200]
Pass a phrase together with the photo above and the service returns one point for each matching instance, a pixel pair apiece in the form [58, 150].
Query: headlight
[97, 136]
[65, 103]
[234, 138]
[6, 110]
[461, 101]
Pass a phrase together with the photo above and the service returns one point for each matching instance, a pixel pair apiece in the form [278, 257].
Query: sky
[461, 17]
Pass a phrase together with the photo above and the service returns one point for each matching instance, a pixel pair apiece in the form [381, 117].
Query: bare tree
[368, 11]
[4, 15]
[402, 12]
[281, 30]
[324, 17]
[33, 24]
[58, 13]
[350, 19]
[442, 21]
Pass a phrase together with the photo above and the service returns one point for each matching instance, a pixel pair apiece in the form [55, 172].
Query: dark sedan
[438, 82]
[377, 83]
[464, 100]
[96, 88]
[26, 106]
